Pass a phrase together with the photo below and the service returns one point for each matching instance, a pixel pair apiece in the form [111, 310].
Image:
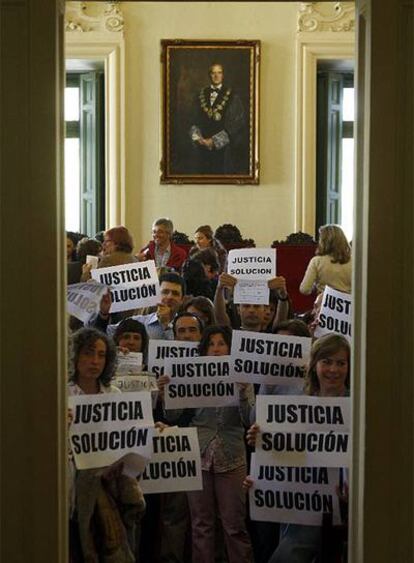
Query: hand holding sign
[227, 281]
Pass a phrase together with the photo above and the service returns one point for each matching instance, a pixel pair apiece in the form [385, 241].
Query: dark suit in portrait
[218, 132]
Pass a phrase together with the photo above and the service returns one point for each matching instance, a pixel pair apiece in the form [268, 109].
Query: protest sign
[107, 426]
[293, 495]
[160, 350]
[143, 382]
[129, 363]
[200, 382]
[92, 260]
[270, 359]
[131, 285]
[252, 267]
[175, 464]
[83, 299]
[303, 431]
[335, 315]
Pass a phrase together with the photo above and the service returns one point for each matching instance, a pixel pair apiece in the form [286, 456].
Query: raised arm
[225, 281]
[282, 311]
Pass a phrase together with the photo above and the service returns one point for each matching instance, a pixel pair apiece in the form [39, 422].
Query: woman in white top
[332, 264]
[106, 506]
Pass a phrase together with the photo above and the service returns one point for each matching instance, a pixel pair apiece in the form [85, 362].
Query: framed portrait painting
[210, 123]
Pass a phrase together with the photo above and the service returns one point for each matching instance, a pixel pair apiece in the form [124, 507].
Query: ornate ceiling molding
[106, 16]
[324, 16]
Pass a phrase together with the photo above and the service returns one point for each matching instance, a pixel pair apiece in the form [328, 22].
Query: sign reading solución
[131, 285]
[107, 426]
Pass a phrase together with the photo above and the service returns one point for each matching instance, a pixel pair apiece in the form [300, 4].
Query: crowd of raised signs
[207, 421]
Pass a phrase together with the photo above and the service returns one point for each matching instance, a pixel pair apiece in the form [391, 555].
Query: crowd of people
[110, 519]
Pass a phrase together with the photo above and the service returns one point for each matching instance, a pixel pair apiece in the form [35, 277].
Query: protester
[117, 248]
[157, 324]
[162, 249]
[221, 437]
[223, 463]
[131, 336]
[204, 239]
[106, 506]
[249, 316]
[71, 242]
[332, 264]
[328, 375]
[196, 280]
[203, 308]
[88, 246]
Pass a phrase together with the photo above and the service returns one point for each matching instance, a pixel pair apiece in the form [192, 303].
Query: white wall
[264, 212]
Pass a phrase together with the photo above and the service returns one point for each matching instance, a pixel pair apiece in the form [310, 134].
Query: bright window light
[347, 195]
[72, 185]
[348, 111]
[71, 104]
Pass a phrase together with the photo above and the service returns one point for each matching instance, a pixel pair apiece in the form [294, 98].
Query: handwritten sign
[160, 350]
[200, 382]
[335, 315]
[108, 426]
[271, 359]
[131, 285]
[129, 363]
[83, 299]
[175, 464]
[303, 431]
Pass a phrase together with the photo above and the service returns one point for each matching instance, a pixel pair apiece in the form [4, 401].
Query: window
[335, 147]
[84, 152]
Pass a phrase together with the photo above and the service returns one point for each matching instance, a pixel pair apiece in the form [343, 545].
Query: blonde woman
[332, 264]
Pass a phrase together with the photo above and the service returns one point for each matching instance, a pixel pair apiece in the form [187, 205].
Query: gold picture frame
[210, 111]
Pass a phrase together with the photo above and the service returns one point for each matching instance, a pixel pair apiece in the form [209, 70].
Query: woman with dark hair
[87, 246]
[196, 280]
[204, 238]
[223, 462]
[72, 240]
[106, 506]
[92, 363]
[203, 308]
[132, 335]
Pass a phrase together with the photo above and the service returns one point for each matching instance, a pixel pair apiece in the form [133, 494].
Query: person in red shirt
[162, 249]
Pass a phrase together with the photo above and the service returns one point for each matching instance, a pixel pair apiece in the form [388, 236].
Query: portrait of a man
[210, 112]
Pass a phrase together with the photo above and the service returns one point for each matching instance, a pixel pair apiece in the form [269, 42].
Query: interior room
[311, 161]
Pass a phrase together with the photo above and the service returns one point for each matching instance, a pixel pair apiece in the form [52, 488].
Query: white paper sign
[143, 382]
[160, 350]
[83, 299]
[175, 464]
[131, 285]
[200, 382]
[252, 267]
[293, 495]
[335, 315]
[271, 359]
[129, 363]
[252, 263]
[108, 426]
[303, 431]
[252, 292]
[129, 383]
[93, 260]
